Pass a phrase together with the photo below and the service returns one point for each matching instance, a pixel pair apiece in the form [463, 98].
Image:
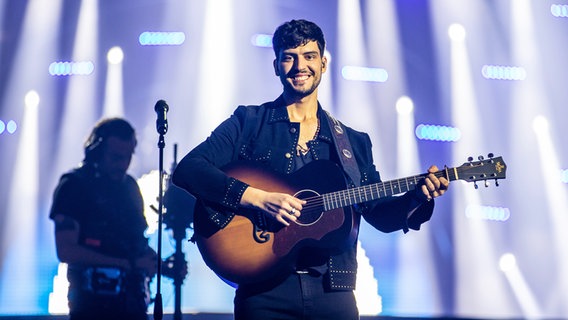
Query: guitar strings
[365, 193]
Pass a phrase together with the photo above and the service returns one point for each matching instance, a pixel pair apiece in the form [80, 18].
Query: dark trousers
[108, 315]
[87, 306]
[301, 296]
[97, 293]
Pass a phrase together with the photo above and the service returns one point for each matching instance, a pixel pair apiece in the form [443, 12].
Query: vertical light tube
[18, 279]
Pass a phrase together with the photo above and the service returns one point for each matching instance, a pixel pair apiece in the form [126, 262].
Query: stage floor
[220, 316]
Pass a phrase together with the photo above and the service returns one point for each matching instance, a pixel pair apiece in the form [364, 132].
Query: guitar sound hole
[312, 210]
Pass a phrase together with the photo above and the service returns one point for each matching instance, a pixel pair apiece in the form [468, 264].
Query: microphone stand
[179, 257]
[161, 109]
[178, 218]
[158, 308]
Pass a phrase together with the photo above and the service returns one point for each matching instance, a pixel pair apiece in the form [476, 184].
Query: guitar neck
[379, 190]
[492, 168]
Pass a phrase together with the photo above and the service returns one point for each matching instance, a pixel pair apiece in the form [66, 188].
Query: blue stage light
[564, 176]
[8, 127]
[262, 40]
[364, 74]
[161, 38]
[559, 10]
[437, 133]
[71, 68]
[11, 126]
[503, 73]
[487, 213]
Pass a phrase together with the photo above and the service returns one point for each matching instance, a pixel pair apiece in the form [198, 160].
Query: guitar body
[254, 247]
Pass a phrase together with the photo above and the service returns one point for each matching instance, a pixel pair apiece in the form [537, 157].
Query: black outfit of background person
[109, 215]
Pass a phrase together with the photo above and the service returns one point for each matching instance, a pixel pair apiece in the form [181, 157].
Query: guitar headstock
[493, 168]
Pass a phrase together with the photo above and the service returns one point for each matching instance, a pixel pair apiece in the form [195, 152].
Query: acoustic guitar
[253, 246]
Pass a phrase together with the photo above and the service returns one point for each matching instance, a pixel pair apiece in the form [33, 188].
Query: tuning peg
[470, 159]
[496, 182]
[486, 184]
[490, 155]
[480, 158]
[475, 185]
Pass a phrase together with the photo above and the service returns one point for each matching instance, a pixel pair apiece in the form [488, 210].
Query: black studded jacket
[264, 134]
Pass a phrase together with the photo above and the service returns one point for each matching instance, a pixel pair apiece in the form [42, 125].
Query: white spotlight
[456, 32]
[507, 262]
[525, 297]
[540, 124]
[404, 105]
[31, 100]
[115, 55]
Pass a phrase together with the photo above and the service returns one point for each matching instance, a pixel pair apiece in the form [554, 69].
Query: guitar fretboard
[379, 190]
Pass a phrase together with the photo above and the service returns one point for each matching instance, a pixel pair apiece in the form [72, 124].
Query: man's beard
[292, 91]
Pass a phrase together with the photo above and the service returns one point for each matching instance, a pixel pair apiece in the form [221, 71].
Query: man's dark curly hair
[295, 33]
[104, 129]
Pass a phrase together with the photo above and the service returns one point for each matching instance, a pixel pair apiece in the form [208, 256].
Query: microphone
[161, 109]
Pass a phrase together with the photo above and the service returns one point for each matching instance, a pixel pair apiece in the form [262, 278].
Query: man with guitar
[272, 217]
